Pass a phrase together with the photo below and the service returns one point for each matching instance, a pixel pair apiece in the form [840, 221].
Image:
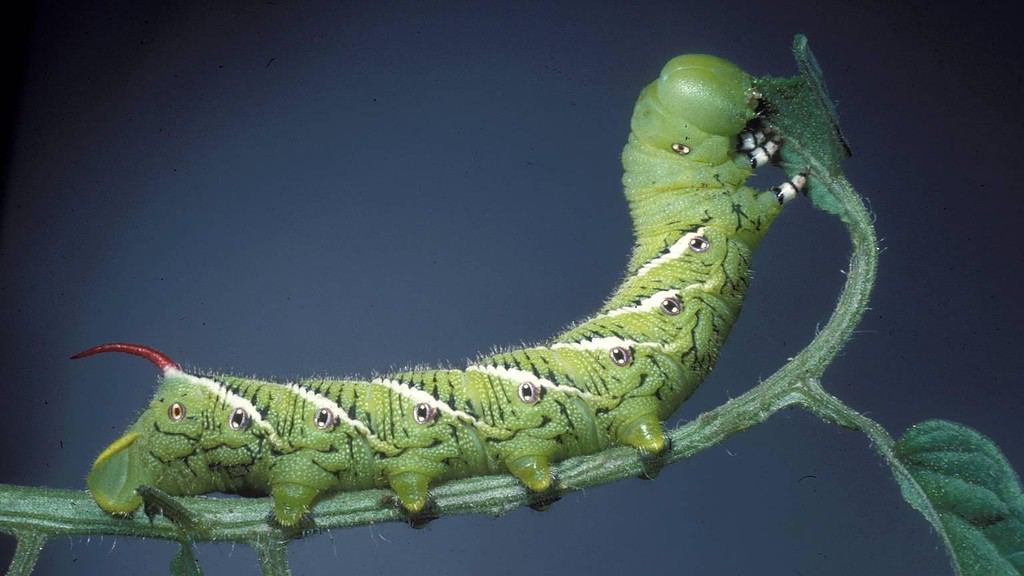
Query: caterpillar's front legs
[760, 145]
[788, 190]
[751, 138]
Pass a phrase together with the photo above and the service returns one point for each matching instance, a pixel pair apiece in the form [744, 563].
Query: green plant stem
[273, 557]
[860, 279]
[30, 544]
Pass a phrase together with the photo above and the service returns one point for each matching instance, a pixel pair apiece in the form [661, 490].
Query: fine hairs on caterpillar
[610, 379]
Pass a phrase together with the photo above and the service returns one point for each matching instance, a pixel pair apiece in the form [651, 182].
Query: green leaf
[966, 487]
[184, 562]
[801, 110]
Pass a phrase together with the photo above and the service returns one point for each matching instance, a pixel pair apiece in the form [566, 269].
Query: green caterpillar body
[608, 380]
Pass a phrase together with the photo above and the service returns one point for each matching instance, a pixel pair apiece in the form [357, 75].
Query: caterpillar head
[695, 107]
[173, 445]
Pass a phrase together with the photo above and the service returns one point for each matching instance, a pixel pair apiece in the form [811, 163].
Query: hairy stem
[30, 544]
[273, 557]
[860, 279]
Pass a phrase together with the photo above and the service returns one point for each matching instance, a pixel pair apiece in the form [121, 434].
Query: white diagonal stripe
[649, 304]
[422, 397]
[681, 246]
[605, 343]
[518, 376]
[222, 393]
[322, 402]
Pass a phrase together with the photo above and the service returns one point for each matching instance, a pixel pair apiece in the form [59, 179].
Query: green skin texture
[582, 401]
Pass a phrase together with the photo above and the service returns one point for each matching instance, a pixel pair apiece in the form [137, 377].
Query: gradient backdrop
[292, 189]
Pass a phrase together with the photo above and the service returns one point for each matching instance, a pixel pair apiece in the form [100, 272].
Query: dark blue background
[291, 189]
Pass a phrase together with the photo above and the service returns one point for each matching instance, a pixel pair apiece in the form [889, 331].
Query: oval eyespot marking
[424, 413]
[621, 356]
[530, 392]
[671, 306]
[239, 419]
[699, 244]
[681, 149]
[176, 412]
[324, 419]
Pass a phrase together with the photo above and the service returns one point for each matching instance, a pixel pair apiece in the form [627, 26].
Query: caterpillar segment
[610, 379]
[187, 441]
[328, 444]
[438, 441]
[545, 421]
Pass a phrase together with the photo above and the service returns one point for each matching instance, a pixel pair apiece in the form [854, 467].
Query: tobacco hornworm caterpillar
[610, 379]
